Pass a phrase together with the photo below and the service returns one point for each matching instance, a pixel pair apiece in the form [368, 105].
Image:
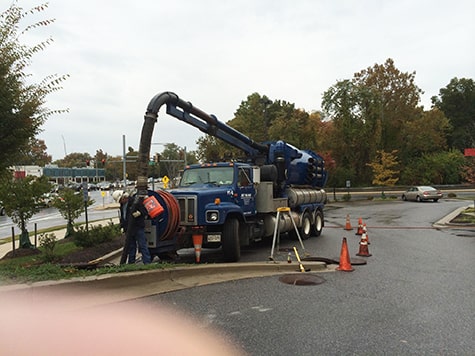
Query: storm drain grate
[301, 279]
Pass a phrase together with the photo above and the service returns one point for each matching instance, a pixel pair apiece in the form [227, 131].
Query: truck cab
[213, 199]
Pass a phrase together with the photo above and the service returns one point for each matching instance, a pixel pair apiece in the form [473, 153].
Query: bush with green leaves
[96, 235]
[70, 205]
[21, 199]
[48, 243]
[346, 197]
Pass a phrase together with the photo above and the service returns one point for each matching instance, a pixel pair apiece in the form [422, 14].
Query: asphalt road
[415, 295]
[50, 217]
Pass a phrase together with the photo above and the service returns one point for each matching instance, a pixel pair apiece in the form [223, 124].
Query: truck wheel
[317, 227]
[305, 230]
[230, 243]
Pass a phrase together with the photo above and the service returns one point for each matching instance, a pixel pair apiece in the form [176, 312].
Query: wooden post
[13, 240]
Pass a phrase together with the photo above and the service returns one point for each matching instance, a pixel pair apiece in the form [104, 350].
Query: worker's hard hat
[119, 194]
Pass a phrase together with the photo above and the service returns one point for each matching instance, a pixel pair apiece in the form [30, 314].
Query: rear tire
[317, 227]
[305, 230]
[230, 243]
[418, 199]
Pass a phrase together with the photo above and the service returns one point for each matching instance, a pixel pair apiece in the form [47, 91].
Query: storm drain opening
[301, 279]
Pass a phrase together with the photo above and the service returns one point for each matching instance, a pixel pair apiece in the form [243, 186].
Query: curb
[117, 287]
[446, 220]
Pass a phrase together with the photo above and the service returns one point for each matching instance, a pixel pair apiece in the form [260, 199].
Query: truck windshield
[207, 175]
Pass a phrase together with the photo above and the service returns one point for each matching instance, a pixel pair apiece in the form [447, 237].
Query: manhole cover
[301, 279]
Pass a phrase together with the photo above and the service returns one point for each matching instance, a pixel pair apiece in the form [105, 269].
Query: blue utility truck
[232, 204]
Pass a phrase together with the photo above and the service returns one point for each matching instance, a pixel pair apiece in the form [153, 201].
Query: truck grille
[188, 210]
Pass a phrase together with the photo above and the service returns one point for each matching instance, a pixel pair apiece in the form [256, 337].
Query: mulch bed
[92, 253]
[77, 257]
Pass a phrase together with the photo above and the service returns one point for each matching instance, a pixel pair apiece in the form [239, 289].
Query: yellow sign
[165, 181]
[103, 193]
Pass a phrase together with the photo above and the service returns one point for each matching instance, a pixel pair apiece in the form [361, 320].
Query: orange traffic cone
[197, 242]
[345, 263]
[363, 251]
[365, 232]
[348, 223]
[359, 231]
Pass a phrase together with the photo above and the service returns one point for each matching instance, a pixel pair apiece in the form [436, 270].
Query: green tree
[36, 154]
[434, 126]
[191, 157]
[370, 113]
[263, 120]
[22, 199]
[75, 159]
[101, 159]
[132, 166]
[457, 102]
[384, 169]
[298, 128]
[347, 141]
[115, 168]
[255, 116]
[211, 149]
[22, 103]
[442, 167]
[172, 161]
[70, 205]
[391, 101]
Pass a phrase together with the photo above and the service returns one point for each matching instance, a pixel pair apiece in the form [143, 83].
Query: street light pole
[124, 164]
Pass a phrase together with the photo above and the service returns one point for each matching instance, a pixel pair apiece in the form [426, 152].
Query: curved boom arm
[186, 112]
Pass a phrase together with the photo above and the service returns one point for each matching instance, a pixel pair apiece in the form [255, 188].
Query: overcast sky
[214, 53]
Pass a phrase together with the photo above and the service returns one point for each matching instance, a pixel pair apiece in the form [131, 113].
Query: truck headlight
[212, 216]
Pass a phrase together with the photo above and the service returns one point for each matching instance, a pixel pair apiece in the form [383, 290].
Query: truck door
[246, 192]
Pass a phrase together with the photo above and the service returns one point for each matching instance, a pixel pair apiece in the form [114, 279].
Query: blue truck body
[232, 204]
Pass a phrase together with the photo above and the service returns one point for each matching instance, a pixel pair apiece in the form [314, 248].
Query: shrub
[48, 243]
[346, 197]
[96, 235]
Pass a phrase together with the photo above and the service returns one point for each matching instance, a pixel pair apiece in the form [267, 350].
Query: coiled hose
[171, 207]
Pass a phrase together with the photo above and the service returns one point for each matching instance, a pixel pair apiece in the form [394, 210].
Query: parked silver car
[422, 193]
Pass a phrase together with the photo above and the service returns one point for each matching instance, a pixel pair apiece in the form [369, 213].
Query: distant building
[61, 175]
[23, 171]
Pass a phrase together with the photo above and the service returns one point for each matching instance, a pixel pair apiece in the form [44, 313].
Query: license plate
[214, 238]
